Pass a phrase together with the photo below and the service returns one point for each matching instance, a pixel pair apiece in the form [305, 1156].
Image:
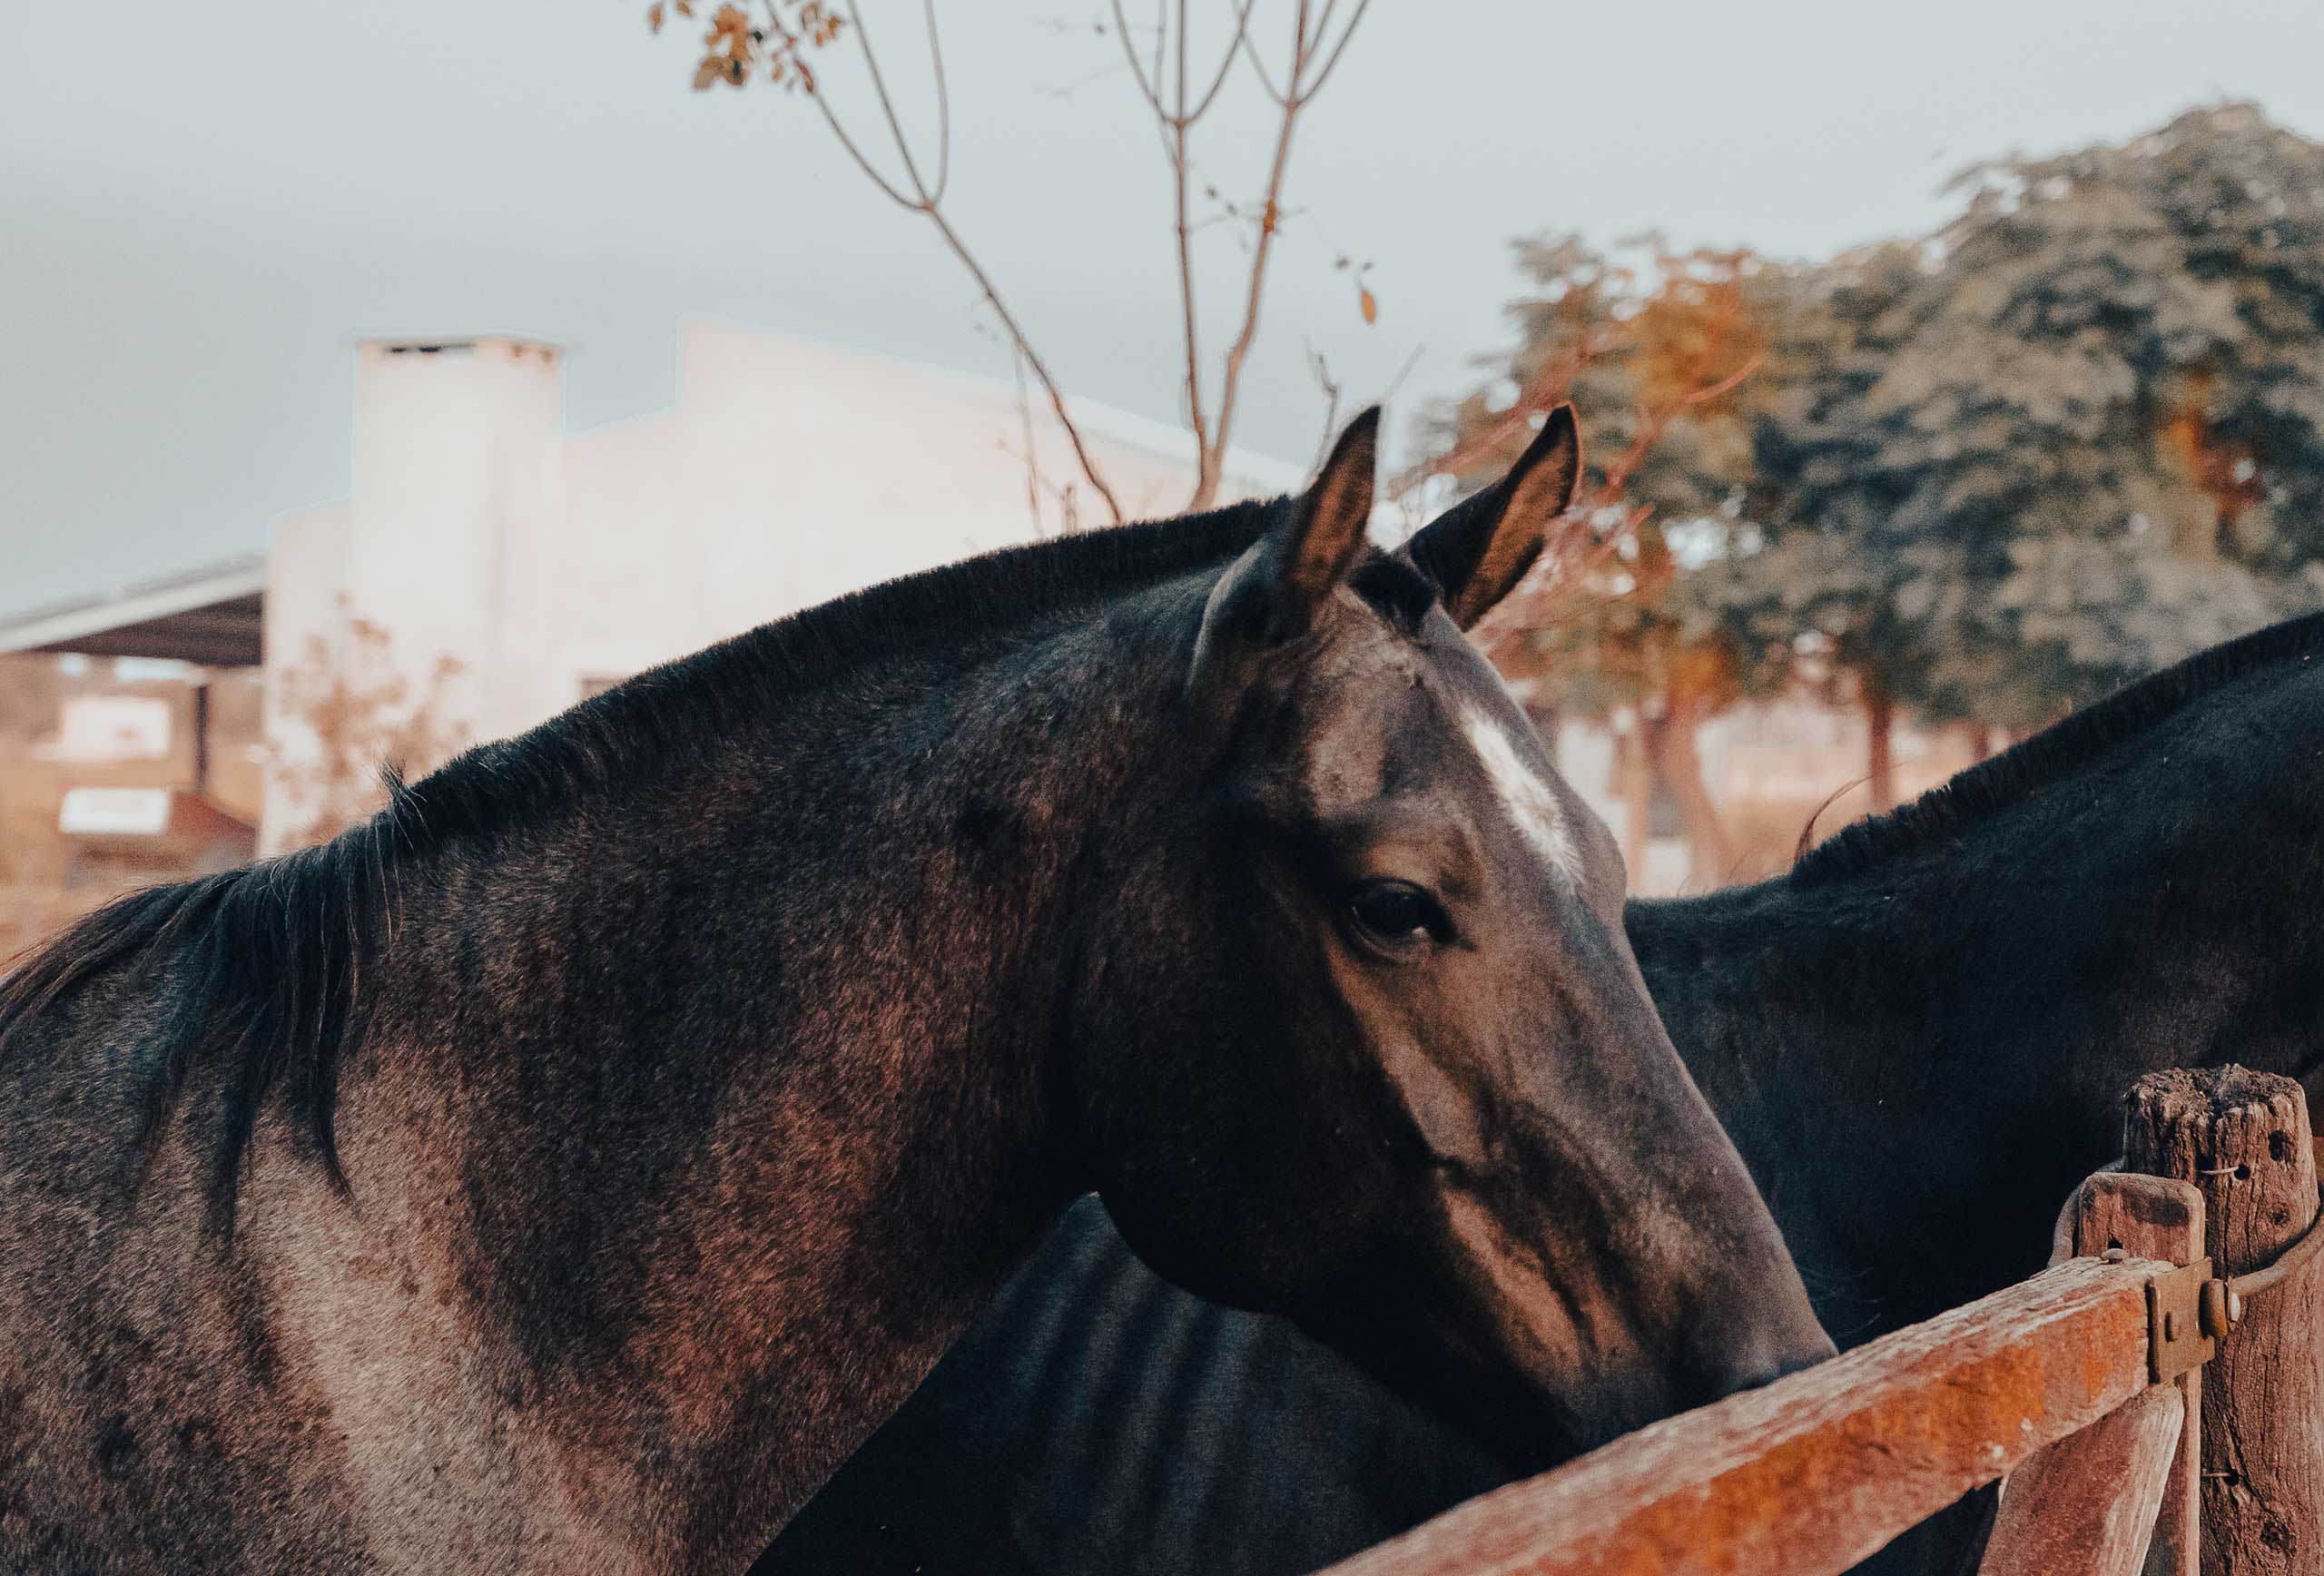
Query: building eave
[210, 615]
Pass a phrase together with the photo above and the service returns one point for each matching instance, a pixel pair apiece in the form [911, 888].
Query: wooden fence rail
[2085, 1381]
[1814, 1473]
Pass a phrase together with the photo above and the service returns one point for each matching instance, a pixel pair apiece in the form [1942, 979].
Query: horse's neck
[763, 1065]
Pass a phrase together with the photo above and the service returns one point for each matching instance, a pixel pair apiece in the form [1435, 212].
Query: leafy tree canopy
[2077, 435]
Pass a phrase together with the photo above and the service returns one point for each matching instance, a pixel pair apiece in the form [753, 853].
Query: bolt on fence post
[2243, 1138]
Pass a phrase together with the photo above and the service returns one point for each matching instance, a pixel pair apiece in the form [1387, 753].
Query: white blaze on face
[1530, 800]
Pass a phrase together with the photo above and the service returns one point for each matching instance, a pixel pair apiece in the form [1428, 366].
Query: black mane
[2055, 752]
[259, 968]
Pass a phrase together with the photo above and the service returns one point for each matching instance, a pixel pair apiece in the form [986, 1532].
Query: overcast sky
[200, 209]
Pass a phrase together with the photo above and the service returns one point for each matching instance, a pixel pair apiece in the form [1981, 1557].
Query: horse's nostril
[1767, 1373]
[1756, 1365]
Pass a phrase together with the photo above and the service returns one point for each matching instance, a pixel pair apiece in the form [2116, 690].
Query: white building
[515, 567]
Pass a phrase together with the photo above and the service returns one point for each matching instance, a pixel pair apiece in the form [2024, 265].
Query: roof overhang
[211, 617]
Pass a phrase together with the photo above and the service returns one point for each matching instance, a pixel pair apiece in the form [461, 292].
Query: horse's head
[1377, 1053]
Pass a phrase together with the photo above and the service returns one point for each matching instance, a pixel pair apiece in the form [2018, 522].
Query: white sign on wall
[110, 728]
[115, 811]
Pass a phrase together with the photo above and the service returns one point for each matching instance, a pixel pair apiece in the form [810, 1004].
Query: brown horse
[567, 1169]
[1919, 1039]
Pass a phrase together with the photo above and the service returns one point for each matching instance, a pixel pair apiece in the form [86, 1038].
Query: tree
[2076, 437]
[1810, 596]
[1663, 362]
[779, 41]
[2072, 437]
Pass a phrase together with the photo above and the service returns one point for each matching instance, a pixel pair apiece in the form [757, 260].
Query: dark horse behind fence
[566, 1170]
[1920, 1039]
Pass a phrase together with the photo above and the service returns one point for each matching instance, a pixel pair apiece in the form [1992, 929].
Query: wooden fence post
[2089, 1504]
[2243, 1138]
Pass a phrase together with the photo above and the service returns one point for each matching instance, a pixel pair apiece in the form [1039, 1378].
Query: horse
[565, 1170]
[1920, 1038]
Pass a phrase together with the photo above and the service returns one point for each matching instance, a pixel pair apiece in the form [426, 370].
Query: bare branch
[830, 119]
[1402, 373]
[1354, 20]
[1196, 417]
[1145, 89]
[1298, 88]
[1212, 457]
[943, 105]
[1032, 466]
[1319, 38]
[1032, 359]
[1174, 121]
[925, 199]
[887, 104]
[1259, 69]
[1161, 37]
[1226, 63]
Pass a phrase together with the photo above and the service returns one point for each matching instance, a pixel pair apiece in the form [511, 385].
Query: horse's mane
[2057, 751]
[260, 969]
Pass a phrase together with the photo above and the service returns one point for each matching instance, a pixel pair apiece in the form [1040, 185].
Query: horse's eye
[1395, 913]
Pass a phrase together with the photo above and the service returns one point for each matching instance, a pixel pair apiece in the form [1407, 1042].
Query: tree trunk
[1670, 749]
[1636, 789]
[1879, 720]
[1981, 741]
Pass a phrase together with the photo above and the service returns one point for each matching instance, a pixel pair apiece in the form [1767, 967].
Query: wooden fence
[2085, 1387]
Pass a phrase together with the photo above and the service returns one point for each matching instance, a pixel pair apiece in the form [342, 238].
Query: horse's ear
[1271, 594]
[1478, 550]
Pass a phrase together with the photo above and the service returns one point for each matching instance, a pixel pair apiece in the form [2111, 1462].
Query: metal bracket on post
[2189, 1310]
[2179, 1335]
